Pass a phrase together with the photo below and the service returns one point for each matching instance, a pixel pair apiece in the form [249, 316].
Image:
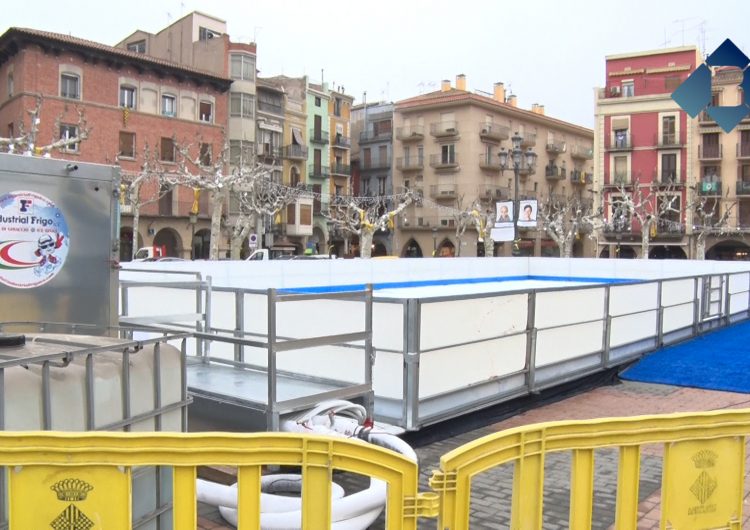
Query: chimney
[500, 92]
[461, 82]
[535, 108]
[540, 109]
[445, 85]
[513, 100]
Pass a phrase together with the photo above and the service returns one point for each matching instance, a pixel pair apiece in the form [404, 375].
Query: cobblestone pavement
[491, 491]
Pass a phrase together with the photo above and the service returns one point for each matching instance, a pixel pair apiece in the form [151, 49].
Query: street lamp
[434, 241]
[518, 156]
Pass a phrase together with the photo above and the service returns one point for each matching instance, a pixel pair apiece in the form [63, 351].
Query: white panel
[738, 303]
[556, 308]
[479, 362]
[677, 292]
[560, 344]
[314, 318]
[455, 321]
[388, 326]
[387, 375]
[222, 310]
[632, 328]
[256, 313]
[625, 299]
[739, 282]
[154, 301]
[677, 317]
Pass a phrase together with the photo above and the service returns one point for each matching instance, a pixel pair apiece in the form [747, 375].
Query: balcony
[709, 187]
[318, 137]
[444, 191]
[294, 152]
[269, 151]
[493, 132]
[666, 178]
[489, 162]
[621, 143]
[528, 139]
[426, 223]
[710, 152]
[341, 170]
[581, 152]
[552, 172]
[444, 162]
[299, 218]
[743, 151]
[492, 192]
[743, 188]
[620, 179]
[375, 136]
[318, 172]
[378, 164]
[409, 133]
[555, 146]
[618, 228]
[525, 170]
[341, 142]
[667, 141]
[410, 163]
[667, 229]
[704, 118]
[579, 177]
[444, 129]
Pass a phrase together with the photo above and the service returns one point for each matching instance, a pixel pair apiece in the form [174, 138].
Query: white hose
[351, 512]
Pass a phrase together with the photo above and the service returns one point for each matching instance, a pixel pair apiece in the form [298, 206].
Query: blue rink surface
[431, 288]
[719, 360]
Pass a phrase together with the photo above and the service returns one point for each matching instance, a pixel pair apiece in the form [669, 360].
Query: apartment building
[446, 150]
[339, 114]
[319, 158]
[645, 147]
[199, 40]
[293, 225]
[372, 129]
[131, 101]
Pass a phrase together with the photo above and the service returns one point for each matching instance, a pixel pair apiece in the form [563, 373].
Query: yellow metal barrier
[57, 479]
[702, 480]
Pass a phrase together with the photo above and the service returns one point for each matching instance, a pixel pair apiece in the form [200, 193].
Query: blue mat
[719, 360]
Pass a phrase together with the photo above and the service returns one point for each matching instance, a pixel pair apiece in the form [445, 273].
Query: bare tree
[482, 216]
[709, 222]
[27, 141]
[363, 216]
[462, 218]
[564, 218]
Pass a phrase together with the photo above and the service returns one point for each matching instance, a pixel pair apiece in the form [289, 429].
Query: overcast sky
[548, 52]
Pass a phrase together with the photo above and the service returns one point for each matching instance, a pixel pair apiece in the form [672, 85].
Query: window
[69, 86]
[241, 105]
[339, 190]
[270, 102]
[242, 67]
[67, 132]
[317, 101]
[127, 144]
[165, 198]
[668, 130]
[381, 185]
[366, 187]
[167, 150]
[621, 170]
[138, 46]
[669, 168]
[420, 155]
[671, 82]
[448, 154]
[11, 85]
[366, 158]
[239, 152]
[621, 138]
[711, 147]
[127, 97]
[206, 111]
[205, 154]
[206, 34]
[168, 105]
[628, 89]
[383, 156]
[337, 107]
[305, 214]
[11, 130]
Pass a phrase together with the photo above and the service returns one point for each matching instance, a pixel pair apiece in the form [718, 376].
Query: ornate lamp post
[434, 241]
[518, 156]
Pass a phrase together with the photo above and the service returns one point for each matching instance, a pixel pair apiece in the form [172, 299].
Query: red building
[643, 144]
[130, 101]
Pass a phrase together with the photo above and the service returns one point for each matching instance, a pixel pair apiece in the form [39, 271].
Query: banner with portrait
[503, 229]
[527, 211]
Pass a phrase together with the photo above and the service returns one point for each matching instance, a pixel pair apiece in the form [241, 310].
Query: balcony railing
[580, 177]
[410, 163]
[525, 170]
[743, 150]
[581, 152]
[555, 146]
[667, 141]
[341, 169]
[318, 137]
[294, 152]
[493, 131]
[622, 143]
[268, 151]
[442, 162]
[710, 152]
[444, 128]
[378, 163]
[666, 229]
[743, 188]
[425, 222]
[374, 136]
[709, 187]
[703, 117]
[264, 106]
[489, 162]
[320, 172]
[342, 142]
[621, 179]
[443, 191]
[410, 132]
[666, 177]
[528, 139]
[554, 173]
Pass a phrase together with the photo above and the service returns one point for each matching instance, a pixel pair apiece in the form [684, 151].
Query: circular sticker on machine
[34, 239]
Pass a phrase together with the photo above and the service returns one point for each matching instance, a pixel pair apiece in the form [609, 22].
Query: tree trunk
[217, 203]
[238, 236]
[700, 247]
[365, 243]
[567, 247]
[136, 221]
[645, 240]
[489, 247]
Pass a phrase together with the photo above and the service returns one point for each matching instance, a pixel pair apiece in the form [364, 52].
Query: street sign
[252, 241]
